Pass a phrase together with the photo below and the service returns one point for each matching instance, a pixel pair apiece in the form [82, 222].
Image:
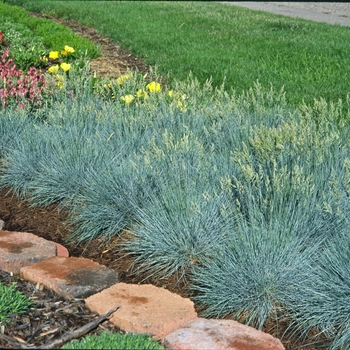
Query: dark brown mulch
[49, 319]
[53, 316]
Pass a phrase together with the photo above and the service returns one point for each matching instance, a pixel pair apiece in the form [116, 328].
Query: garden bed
[243, 217]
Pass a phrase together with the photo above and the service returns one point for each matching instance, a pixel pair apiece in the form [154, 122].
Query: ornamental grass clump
[180, 221]
[21, 163]
[12, 123]
[254, 276]
[268, 257]
[323, 302]
[51, 164]
[66, 163]
[178, 226]
[104, 207]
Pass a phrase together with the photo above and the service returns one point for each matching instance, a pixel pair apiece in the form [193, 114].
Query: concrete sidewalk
[328, 12]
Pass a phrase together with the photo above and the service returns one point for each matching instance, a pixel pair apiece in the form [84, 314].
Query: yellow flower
[53, 69]
[53, 55]
[122, 78]
[141, 94]
[153, 87]
[65, 66]
[59, 81]
[67, 50]
[127, 99]
[170, 93]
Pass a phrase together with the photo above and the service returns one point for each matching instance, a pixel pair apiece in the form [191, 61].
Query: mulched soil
[53, 316]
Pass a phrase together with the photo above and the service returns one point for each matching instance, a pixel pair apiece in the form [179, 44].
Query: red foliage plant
[17, 88]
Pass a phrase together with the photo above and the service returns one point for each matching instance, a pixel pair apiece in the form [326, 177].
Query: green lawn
[223, 42]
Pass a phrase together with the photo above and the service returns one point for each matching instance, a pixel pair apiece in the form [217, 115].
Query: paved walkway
[328, 12]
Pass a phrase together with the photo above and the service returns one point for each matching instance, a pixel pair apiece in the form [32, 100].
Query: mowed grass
[223, 42]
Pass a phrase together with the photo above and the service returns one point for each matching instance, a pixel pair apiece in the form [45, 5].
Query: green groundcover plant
[106, 340]
[12, 302]
[30, 36]
[25, 48]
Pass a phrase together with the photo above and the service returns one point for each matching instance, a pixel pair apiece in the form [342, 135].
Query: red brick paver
[70, 277]
[220, 335]
[143, 308]
[19, 249]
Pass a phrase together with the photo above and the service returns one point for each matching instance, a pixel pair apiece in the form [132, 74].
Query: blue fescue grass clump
[179, 225]
[53, 158]
[21, 162]
[103, 210]
[323, 301]
[12, 124]
[266, 261]
[253, 276]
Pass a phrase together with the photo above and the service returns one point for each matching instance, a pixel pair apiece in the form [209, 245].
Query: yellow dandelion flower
[153, 87]
[53, 55]
[53, 69]
[170, 93]
[127, 99]
[65, 66]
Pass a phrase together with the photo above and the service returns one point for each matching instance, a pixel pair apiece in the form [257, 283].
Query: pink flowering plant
[19, 89]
